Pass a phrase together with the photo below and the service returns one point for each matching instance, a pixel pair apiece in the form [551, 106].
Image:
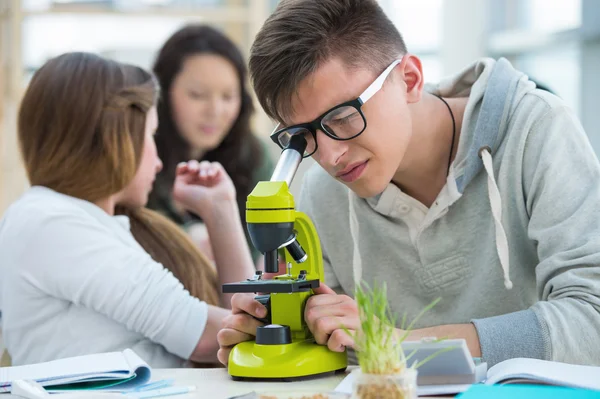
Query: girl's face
[137, 191]
[205, 101]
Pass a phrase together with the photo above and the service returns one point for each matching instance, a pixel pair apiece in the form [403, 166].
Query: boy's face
[368, 162]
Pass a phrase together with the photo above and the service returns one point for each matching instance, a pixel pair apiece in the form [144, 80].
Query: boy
[481, 190]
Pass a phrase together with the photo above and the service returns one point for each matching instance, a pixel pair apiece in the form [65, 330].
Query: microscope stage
[270, 286]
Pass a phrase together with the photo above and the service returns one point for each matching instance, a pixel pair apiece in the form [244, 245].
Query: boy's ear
[412, 75]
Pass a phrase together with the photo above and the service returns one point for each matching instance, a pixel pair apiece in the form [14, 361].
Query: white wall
[465, 27]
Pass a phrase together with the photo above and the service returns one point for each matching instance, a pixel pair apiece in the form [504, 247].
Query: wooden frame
[12, 181]
[3, 94]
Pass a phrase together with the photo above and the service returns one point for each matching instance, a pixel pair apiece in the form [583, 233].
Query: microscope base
[299, 359]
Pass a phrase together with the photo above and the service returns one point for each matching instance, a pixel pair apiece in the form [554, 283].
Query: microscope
[284, 348]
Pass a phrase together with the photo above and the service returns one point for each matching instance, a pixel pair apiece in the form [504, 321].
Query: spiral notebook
[113, 371]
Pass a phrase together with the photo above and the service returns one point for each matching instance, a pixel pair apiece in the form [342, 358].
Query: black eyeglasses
[342, 122]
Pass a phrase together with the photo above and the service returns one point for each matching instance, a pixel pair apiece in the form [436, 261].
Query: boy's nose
[330, 151]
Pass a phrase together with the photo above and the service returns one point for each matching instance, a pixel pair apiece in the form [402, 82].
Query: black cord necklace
[453, 133]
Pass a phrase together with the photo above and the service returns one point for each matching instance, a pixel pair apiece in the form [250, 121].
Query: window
[540, 37]
[132, 39]
[558, 69]
[131, 30]
[420, 23]
[552, 15]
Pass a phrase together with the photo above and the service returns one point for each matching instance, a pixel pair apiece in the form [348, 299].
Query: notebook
[516, 371]
[113, 371]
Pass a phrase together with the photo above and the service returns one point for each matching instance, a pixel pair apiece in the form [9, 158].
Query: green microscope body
[284, 348]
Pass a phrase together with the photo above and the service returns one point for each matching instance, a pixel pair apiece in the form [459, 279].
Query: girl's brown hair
[171, 246]
[81, 131]
[81, 124]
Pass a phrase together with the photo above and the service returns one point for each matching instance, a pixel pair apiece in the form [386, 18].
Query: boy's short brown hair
[302, 34]
[81, 124]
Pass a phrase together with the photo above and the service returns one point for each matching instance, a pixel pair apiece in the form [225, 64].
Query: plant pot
[385, 386]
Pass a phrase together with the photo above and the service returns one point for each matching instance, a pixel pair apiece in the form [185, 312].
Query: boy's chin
[367, 189]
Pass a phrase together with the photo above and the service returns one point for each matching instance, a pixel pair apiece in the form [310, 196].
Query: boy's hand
[326, 315]
[202, 187]
[240, 326]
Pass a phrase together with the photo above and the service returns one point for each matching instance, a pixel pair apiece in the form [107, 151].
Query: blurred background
[556, 42]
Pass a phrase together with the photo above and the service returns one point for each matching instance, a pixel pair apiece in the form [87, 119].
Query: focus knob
[273, 334]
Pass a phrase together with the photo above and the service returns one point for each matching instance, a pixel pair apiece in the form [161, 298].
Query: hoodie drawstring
[356, 257]
[496, 205]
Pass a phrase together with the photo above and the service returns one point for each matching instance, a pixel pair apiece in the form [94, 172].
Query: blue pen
[155, 385]
[163, 392]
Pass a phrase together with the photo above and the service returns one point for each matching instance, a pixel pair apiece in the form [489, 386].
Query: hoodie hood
[494, 89]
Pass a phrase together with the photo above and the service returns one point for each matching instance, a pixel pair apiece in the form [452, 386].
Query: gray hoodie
[512, 246]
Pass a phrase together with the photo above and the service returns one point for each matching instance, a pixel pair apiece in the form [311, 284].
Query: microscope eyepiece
[297, 143]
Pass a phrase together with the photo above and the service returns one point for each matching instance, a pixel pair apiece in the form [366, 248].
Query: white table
[217, 384]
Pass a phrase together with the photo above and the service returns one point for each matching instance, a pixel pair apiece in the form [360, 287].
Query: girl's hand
[203, 187]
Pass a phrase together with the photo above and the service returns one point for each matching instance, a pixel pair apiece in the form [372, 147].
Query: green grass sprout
[378, 344]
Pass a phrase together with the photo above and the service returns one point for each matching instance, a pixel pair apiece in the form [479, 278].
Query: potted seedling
[383, 372]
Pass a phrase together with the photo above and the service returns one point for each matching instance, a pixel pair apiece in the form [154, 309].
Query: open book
[114, 371]
[516, 371]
